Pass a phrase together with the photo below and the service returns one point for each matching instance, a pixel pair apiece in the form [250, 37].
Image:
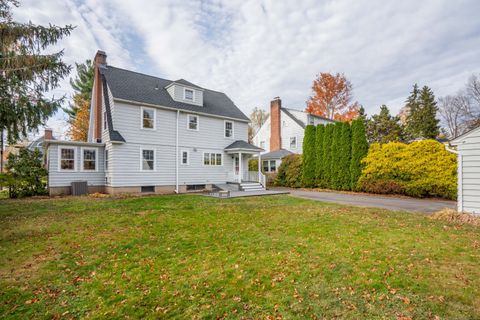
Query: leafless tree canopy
[461, 112]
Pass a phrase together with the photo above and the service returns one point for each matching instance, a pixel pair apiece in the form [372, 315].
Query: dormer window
[188, 94]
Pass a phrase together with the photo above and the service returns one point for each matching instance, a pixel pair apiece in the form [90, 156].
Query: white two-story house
[148, 134]
[282, 133]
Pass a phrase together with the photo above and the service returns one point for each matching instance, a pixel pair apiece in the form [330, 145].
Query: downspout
[176, 153]
[460, 177]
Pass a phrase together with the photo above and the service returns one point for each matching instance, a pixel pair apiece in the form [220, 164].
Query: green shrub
[345, 150]
[359, 151]
[327, 156]
[289, 173]
[336, 154]
[253, 165]
[309, 157]
[25, 175]
[420, 169]
[319, 170]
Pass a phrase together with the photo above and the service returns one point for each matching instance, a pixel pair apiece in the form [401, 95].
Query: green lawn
[196, 257]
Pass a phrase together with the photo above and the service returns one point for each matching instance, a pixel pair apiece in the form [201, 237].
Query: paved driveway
[377, 201]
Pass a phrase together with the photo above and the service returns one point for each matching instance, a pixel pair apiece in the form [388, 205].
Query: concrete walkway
[377, 201]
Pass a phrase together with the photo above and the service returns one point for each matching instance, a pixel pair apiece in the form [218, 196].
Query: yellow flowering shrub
[420, 169]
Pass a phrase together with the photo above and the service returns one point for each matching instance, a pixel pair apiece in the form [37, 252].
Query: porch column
[240, 172]
[259, 166]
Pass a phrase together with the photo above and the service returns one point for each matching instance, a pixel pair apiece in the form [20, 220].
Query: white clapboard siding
[58, 178]
[469, 172]
[210, 137]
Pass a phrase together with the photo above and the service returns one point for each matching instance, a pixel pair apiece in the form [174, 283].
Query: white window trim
[188, 158]
[210, 165]
[154, 118]
[154, 159]
[225, 129]
[185, 96]
[74, 159]
[269, 166]
[82, 169]
[188, 122]
[296, 142]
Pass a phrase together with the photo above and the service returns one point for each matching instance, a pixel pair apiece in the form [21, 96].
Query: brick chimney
[99, 61]
[275, 136]
[48, 134]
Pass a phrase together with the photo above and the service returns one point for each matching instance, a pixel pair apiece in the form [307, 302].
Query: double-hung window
[293, 142]
[262, 144]
[148, 159]
[212, 159]
[89, 159]
[188, 94]
[67, 159]
[192, 122]
[148, 118]
[228, 129]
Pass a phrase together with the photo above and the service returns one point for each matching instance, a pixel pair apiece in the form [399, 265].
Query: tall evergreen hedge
[319, 152]
[309, 156]
[335, 146]
[344, 149]
[359, 151]
[327, 156]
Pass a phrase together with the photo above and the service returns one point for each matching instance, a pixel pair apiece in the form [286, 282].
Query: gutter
[176, 153]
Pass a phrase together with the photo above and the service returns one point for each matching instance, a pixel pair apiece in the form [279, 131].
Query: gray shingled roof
[141, 88]
[113, 134]
[241, 144]
[277, 154]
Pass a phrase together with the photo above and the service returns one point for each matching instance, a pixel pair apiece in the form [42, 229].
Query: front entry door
[236, 166]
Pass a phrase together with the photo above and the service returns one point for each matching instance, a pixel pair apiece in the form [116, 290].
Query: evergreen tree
[412, 105]
[309, 157]
[319, 153]
[345, 156]
[27, 73]
[384, 128]
[359, 151]
[336, 156]
[327, 156]
[82, 85]
[422, 119]
[429, 125]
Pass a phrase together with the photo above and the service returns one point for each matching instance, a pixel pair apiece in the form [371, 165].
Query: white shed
[468, 150]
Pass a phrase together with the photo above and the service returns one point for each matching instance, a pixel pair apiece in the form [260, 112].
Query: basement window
[148, 188]
[195, 187]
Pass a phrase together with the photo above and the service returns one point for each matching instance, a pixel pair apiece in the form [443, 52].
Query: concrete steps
[251, 186]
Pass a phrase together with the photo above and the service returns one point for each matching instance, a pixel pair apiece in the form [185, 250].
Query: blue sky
[254, 50]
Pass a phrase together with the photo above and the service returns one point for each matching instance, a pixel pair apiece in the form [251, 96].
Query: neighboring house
[148, 134]
[282, 133]
[468, 151]
[37, 144]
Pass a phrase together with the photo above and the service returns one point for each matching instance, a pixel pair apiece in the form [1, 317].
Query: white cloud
[255, 50]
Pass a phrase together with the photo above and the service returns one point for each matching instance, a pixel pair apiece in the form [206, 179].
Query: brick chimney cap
[101, 52]
[276, 98]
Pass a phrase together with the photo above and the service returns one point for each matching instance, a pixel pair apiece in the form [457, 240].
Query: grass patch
[195, 257]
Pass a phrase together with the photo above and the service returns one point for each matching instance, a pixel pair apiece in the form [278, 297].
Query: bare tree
[454, 113]
[257, 119]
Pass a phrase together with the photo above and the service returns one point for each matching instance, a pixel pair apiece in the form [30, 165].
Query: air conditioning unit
[79, 188]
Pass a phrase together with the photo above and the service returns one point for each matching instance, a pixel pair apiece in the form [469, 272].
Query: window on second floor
[228, 129]
[262, 144]
[104, 121]
[192, 122]
[148, 118]
[293, 142]
[188, 94]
